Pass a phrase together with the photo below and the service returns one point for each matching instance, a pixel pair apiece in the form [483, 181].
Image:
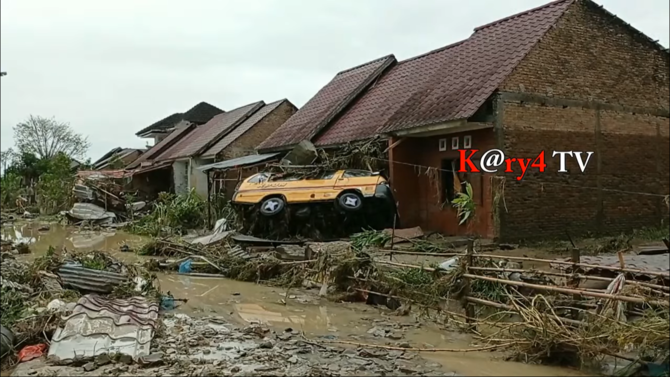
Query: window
[454, 142]
[289, 177]
[258, 178]
[356, 174]
[443, 145]
[467, 142]
[447, 181]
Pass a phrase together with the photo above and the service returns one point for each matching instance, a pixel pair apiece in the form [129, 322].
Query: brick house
[565, 76]
[229, 134]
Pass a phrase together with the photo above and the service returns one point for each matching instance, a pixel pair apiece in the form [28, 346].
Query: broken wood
[569, 291]
[594, 266]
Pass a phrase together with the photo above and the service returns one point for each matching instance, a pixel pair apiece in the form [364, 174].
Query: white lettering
[582, 164]
[562, 154]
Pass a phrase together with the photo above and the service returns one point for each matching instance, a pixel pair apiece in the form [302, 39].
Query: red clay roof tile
[183, 128]
[241, 129]
[446, 84]
[207, 134]
[327, 103]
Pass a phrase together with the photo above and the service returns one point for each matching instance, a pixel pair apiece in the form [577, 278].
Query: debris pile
[211, 346]
[36, 295]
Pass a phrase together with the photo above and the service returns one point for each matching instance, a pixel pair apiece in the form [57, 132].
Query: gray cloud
[111, 68]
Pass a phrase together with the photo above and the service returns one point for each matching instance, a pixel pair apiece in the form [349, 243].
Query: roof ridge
[440, 49]
[364, 64]
[555, 2]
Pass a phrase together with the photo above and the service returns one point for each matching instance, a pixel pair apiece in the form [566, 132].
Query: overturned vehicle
[322, 205]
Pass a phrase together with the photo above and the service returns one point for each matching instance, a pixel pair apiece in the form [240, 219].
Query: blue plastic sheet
[185, 267]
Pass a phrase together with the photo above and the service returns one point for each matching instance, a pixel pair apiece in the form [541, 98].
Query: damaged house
[117, 158]
[566, 76]
[227, 135]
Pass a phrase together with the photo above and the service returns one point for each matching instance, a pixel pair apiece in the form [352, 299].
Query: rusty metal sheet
[98, 325]
[89, 280]
[402, 235]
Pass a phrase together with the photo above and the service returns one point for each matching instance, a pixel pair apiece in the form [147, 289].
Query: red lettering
[523, 163]
[508, 164]
[539, 162]
[464, 160]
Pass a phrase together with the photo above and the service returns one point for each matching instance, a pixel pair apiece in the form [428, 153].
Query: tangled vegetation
[39, 185]
[172, 214]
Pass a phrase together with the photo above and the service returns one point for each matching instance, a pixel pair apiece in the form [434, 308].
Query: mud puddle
[300, 310]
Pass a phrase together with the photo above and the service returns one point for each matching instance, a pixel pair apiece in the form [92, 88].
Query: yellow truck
[349, 190]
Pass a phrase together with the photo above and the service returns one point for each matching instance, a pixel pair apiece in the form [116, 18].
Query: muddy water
[301, 310]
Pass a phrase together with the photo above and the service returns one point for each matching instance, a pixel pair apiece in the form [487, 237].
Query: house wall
[418, 192]
[180, 176]
[247, 143]
[197, 178]
[590, 85]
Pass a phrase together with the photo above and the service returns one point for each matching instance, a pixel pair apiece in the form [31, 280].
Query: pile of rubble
[212, 347]
[39, 297]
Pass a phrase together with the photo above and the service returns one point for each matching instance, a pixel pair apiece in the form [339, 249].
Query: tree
[46, 138]
[7, 158]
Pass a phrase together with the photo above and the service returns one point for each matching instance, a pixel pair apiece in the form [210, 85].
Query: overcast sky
[110, 68]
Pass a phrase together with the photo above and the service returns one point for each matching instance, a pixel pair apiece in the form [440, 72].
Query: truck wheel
[272, 206]
[350, 202]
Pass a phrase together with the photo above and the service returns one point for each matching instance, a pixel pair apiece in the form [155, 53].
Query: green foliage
[369, 238]
[54, 189]
[465, 204]
[10, 189]
[172, 214]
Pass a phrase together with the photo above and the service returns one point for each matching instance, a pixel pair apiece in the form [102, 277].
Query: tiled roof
[198, 114]
[475, 68]
[384, 99]
[182, 129]
[107, 155]
[119, 152]
[446, 84]
[209, 133]
[241, 129]
[327, 103]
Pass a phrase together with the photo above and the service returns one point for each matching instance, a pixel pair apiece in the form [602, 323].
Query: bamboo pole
[576, 276]
[469, 308]
[498, 305]
[530, 259]
[611, 268]
[570, 291]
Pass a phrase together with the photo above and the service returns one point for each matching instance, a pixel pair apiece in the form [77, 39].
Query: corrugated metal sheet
[240, 161]
[90, 211]
[83, 192]
[98, 326]
[90, 280]
[102, 174]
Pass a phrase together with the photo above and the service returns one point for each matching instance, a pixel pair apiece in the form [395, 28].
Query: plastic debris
[28, 353]
[185, 267]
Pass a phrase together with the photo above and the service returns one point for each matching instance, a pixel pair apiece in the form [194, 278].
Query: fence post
[575, 257]
[468, 306]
